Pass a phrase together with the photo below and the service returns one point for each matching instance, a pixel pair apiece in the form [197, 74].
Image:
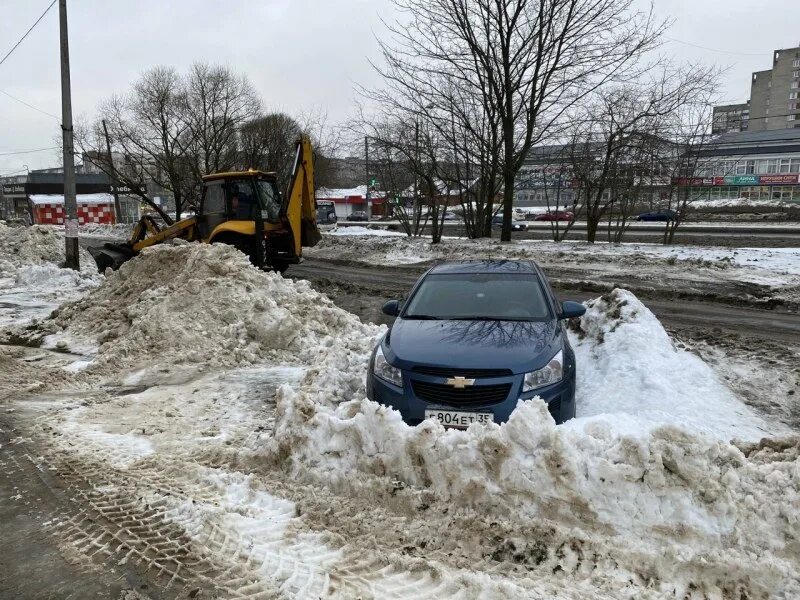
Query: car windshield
[479, 296]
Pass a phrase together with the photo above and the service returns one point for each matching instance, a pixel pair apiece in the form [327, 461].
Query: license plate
[456, 418]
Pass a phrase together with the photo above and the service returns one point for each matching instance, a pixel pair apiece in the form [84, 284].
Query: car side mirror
[391, 308]
[570, 310]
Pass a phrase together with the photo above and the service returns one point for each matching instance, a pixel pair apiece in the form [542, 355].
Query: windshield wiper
[422, 317]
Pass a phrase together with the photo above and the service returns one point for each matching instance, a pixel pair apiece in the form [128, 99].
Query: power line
[9, 173]
[715, 49]
[27, 32]
[44, 112]
[28, 151]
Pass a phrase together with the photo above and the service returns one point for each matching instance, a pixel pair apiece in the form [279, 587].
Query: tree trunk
[178, 205]
[592, 223]
[508, 206]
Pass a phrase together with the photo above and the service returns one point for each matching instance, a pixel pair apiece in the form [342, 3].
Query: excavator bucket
[111, 255]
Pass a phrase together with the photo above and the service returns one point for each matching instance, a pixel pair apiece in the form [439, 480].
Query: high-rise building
[774, 98]
[729, 118]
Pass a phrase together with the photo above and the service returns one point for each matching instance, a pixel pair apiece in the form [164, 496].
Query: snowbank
[360, 230]
[627, 363]
[35, 245]
[741, 203]
[655, 475]
[31, 283]
[205, 304]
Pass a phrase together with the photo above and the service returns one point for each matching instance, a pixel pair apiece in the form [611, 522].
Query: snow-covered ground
[765, 273]
[742, 203]
[221, 412]
[32, 284]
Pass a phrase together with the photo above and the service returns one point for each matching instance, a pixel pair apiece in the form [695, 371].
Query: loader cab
[238, 197]
[246, 210]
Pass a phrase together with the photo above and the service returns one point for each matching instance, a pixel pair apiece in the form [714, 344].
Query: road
[771, 235]
[362, 289]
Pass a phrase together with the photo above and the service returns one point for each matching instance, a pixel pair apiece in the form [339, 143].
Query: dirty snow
[314, 491]
[32, 284]
[772, 273]
[359, 230]
[198, 303]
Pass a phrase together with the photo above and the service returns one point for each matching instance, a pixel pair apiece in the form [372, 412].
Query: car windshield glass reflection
[479, 296]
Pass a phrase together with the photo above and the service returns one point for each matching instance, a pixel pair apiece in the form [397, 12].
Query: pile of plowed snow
[627, 363]
[32, 283]
[35, 245]
[206, 304]
[633, 470]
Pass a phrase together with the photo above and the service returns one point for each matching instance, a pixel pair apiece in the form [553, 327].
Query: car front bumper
[560, 397]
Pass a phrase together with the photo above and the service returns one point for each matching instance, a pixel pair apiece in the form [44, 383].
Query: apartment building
[774, 98]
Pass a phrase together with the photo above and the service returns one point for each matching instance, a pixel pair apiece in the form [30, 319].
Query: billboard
[788, 179]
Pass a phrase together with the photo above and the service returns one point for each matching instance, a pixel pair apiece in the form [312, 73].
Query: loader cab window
[212, 208]
[242, 200]
[270, 200]
[214, 199]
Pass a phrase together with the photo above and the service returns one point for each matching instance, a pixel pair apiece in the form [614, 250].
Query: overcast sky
[301, 55]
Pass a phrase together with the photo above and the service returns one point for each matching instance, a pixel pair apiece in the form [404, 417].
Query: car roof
[486, 266]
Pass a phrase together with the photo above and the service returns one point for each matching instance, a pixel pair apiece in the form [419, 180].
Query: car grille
[469, 396]
[468, 373]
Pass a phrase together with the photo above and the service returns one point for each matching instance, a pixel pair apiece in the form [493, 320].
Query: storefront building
[756, 165]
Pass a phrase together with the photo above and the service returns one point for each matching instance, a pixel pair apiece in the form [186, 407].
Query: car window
[496, 296]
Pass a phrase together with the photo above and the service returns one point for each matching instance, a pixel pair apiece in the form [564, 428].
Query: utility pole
[366, 166]
[70, 201]
[112, 179]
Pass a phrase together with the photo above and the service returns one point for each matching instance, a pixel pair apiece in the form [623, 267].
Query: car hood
[517, 345]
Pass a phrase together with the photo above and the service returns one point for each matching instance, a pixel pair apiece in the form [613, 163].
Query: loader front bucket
[111, 255]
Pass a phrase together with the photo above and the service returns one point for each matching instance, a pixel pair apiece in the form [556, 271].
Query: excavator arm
[301, 208]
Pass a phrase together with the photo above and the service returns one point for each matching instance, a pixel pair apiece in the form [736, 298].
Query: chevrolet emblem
[460, 382]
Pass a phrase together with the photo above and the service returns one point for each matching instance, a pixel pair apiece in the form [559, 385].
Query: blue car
[658, 215]
[471, 340]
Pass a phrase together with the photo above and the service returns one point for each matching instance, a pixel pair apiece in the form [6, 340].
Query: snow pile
[628, 363]
[361, 230]
[206, 304]
[635, 469]
[32, 284]
[739, 203]
[102, 230]
[35, 245]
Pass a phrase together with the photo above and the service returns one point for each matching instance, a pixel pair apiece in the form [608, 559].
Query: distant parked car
[326, 212]
[665, 214]
[450, 216]
[497, 221]
[555, 215]
[357, 215]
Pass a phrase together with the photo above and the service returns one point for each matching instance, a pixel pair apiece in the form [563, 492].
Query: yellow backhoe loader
[241, 208]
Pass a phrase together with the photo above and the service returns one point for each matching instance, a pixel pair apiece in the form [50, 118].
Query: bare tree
[528, 61]
[216, 104]
[405, 147]
[623, 123]
[147, 125]
[692, 134]
[268, 144]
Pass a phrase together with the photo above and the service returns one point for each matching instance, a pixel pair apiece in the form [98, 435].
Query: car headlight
[551, 373]
[381, 368]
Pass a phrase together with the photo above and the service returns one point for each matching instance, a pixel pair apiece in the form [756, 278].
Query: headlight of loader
[381, 368]
[551, 373]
